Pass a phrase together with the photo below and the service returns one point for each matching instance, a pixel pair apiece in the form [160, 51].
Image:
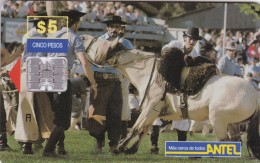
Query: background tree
[250, 9]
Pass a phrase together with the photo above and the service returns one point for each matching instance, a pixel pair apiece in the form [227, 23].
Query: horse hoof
[121, 150]
[154, 150]
[114, 150]
[130, 151]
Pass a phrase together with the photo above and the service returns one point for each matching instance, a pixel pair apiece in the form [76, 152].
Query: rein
[149, 82]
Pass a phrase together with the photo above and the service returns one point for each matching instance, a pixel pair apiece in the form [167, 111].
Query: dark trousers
[155, 135]
[182, 135]
[108, 104]
[62, 106]
[2, 113]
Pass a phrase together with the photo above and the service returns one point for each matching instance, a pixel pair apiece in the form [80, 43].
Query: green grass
[81, 148]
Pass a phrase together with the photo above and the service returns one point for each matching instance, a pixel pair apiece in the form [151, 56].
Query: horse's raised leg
[145, 119]
[123, 144]
[134, 148]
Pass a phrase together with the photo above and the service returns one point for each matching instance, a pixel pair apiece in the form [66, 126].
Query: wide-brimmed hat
[35, 19]
[231, 45]
[114, 19]
[193, 33]
[71, 13]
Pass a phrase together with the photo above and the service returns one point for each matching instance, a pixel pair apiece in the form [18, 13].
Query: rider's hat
[114, 19]
[193, 33]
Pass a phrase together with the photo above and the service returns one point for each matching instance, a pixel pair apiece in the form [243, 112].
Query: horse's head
[99, 50]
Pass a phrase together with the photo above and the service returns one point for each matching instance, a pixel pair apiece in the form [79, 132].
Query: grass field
[81, 148]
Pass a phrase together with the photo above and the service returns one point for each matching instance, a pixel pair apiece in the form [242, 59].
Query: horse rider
[190, 38]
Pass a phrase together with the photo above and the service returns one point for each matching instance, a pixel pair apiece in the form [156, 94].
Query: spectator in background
[257, 37]
[249, 78]
[239, 36]
[242, 66]
[253, 50]
[39, 6]
[140, 17]
[85, 6]
[219, 48]
[130, 16]
[8, 9]
[122, 11]
[227, 64]
[109, 10]
[22, 9]
[71, 5]
[250, 37]
[97, 13]
[29, 5]
[242, 50]
[254, 69]
[77, 6]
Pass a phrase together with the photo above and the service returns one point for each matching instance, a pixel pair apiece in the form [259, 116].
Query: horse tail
[253, 135]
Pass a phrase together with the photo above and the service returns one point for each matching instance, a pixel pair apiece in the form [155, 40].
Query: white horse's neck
[137, 66]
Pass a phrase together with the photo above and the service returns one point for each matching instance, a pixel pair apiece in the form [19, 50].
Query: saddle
[194, 78]
[183, 73]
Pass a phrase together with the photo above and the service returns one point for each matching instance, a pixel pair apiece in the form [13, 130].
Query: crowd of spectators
[247, 56]
[96, 11]
[246, 43]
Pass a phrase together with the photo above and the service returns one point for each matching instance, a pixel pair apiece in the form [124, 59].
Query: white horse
[223, 100]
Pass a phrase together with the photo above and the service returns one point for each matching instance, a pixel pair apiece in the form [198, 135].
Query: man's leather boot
[49, 150]
[27, 148]
[61, 146]
[3, 142]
